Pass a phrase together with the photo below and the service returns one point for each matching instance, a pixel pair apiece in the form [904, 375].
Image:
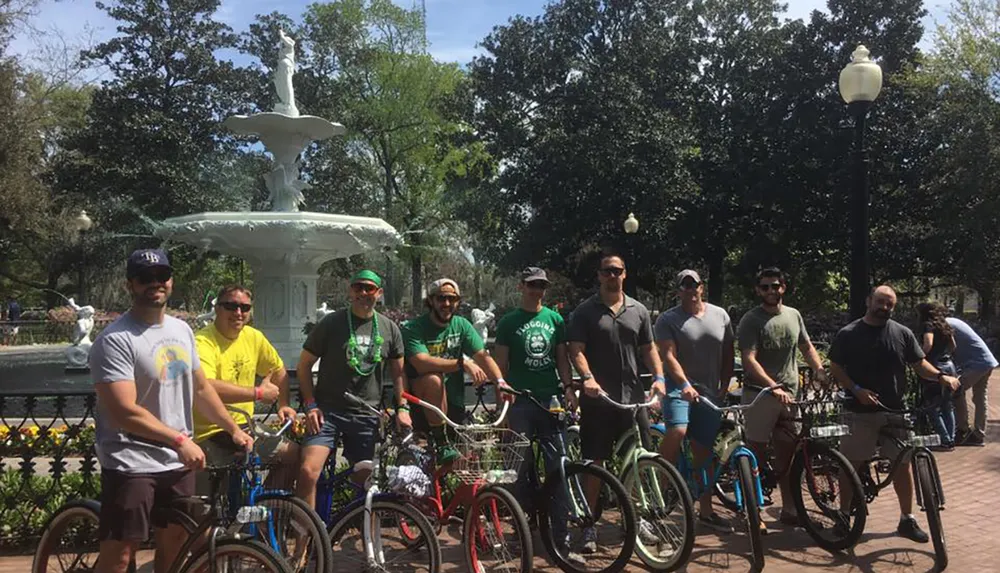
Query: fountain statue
[322, 311]
[78, 353]
[203, 320]
[481, 320]
[284, 246]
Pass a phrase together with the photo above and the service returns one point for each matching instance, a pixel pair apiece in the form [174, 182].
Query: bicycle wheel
[664, 513]
[751, 510]
[299, 536]
[391, 550]
[932, 506]
[233, 555]
[613, 521]
[495, 533]
[69, 542]
[820, 471]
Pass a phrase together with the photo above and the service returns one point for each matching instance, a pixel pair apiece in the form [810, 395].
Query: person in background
[975, 363]
[938, 342]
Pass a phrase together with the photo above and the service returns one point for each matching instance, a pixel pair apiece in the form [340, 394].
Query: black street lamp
[631, 227]
[82, 223]
[860, 84]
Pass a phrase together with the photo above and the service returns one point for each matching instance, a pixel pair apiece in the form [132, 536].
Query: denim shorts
[358, 432]
[702, 422]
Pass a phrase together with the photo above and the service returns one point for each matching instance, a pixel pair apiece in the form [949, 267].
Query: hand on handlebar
[689, 394]
[866, 397]
[286, 413]
[314, 420]
[591, 388]
[243, 440]
[504, 396]
[658, 389]
[570, 396]
[403, 420]
[951, 382]
[783, 396]
[475, 372]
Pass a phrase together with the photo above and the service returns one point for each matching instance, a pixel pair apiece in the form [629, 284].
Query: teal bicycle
[663, 504]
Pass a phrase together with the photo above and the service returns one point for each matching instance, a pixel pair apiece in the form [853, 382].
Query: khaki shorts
[760, 421]
[866, 435]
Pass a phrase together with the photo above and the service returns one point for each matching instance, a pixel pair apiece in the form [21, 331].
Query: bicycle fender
[744, 452]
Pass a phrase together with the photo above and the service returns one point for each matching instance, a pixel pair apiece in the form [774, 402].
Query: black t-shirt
[328, 340]
[875, 358]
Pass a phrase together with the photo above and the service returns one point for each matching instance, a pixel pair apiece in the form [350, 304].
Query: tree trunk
[52, 298]
[416, 273]
[716, 276]
[392, 291]
[985, 291]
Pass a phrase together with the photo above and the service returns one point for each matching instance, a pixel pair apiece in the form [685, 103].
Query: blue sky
[454, 26]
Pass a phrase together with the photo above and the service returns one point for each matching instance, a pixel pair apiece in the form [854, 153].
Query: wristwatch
[587, 376]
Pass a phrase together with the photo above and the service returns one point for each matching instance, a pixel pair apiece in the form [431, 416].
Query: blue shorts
[702, 422]
[358, 432]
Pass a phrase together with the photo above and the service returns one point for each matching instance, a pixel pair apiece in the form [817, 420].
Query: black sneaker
[974, 440]
[961, 436]
[909, 529]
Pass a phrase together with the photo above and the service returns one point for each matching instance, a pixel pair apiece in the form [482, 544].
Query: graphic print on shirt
[173, 361]
[450, 347]
[238, 364]
[537, 337]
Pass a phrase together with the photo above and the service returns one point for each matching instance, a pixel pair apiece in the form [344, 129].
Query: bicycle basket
[490, 454]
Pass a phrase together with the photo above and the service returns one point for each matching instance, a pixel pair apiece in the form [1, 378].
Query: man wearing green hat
[356, 344]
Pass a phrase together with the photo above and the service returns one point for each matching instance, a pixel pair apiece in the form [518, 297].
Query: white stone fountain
[284, 246]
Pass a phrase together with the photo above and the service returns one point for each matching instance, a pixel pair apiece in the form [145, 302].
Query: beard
[441, 316]
[882, 314]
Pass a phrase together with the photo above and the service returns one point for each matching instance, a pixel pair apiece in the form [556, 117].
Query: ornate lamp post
[860, 84]
[631, 226]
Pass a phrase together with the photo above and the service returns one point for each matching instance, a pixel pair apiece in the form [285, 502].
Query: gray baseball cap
[437, 285]
[687, 273]
[533, 274]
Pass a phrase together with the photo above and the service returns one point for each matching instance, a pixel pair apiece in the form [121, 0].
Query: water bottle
[252, 514]
[555, 406]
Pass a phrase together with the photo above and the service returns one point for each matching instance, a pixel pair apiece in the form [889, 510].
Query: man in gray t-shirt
[148, 377]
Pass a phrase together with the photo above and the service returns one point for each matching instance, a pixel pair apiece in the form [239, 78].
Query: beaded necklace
[354, 356]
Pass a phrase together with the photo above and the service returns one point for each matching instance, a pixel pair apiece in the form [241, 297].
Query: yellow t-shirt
[238, 362]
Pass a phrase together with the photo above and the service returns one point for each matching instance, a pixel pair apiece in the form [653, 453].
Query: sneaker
[944, 447]
[973, 439]
[573, 557]
[647, 533]
[961, 436]
[909, 529]
[588, 543]
[715, 522]
[446, 454]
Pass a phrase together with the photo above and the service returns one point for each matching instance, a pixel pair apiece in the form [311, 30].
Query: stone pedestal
[284, 299]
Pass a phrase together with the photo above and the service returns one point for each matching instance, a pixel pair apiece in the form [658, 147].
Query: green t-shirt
[775, 337]
[532, 339]
[422, 336]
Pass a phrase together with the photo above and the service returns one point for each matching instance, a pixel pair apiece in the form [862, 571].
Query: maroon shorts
[127, 501]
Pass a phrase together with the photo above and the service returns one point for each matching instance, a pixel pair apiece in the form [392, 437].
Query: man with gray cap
[695, 339]
[436, 345]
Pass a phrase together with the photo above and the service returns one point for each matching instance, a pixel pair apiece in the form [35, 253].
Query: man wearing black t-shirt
[868, 358]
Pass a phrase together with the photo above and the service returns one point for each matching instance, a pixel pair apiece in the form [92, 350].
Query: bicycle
[208, 539]
[489, 456]
[364, 527]
[927, 480]
[663, 540]
[565, 483]
[816, 467]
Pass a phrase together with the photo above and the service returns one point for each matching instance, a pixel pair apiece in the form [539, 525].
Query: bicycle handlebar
[428, 406]
[256, 431]
[737, 408]
[628, 407]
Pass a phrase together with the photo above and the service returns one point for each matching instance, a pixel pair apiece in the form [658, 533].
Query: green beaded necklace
[354, 356]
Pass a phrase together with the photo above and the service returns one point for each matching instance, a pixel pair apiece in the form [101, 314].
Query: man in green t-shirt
[531, 352]
[768, 338]
[436, 345]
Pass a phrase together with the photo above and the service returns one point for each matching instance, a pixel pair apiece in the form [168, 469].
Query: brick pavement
[971, 524]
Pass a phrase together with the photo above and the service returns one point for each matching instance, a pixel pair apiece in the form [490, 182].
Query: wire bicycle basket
[489, 454]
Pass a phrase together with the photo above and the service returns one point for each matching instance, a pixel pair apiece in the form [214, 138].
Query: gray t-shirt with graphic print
[161, 360]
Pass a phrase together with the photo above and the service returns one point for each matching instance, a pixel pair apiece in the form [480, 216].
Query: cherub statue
[283, 76]
[78, 354]
[207, 318]
[285, 188]
[481, 320]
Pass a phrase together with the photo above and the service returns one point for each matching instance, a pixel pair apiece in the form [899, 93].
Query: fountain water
[285, 246]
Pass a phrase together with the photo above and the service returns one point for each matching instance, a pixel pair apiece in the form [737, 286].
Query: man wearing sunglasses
[608, 334]
[233, 354]
[769, 336]
[436, 346]
[148, 381]
[530, 349]
[356, 345]
[695, 339]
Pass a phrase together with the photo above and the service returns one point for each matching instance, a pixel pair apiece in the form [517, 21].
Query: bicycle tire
[615, 487]
[932, 506]
[307, 521]
[684, 500]
[751, 511]
[88, 511]
[519, 522]
[268, 560]
[858, 510]
[354, 519]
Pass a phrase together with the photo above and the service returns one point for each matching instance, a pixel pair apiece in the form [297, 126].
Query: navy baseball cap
[146, 259]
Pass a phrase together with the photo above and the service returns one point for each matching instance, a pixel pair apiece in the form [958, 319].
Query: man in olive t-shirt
[436, 345]
[356, 344]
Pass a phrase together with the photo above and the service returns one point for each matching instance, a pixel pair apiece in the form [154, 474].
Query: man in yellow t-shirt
[233, 355]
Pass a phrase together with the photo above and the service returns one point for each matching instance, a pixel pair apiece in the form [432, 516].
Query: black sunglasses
[366, 288]
[150, 276]
[687, 285]
[770, 286]
[612, 271]
[232, 306]
[537, 284]
[447, 298]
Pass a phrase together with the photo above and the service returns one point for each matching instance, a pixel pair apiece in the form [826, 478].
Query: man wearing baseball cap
[695, 339]
[356, 344]
[148, 381]
[436, 345]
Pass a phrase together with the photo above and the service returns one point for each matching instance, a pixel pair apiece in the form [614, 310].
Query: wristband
[686, 385]
[310, 405]
[180, 439]
[659, 378]
[501, 382]
[258, 393]
[402, 408]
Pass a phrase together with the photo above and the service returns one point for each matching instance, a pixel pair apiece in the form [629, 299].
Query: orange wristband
[258, 393]
[180, 439]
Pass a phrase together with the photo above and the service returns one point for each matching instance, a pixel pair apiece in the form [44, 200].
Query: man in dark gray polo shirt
[607, 334]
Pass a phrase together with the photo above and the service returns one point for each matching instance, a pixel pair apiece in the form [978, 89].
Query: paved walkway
[971, 478]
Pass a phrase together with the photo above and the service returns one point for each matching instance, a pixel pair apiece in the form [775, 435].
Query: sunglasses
[442, 298]
[688, 285]
[612, 271]
[232, 306]
[541, 285]
[150, 276]
[366, 288]
[769, 286]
